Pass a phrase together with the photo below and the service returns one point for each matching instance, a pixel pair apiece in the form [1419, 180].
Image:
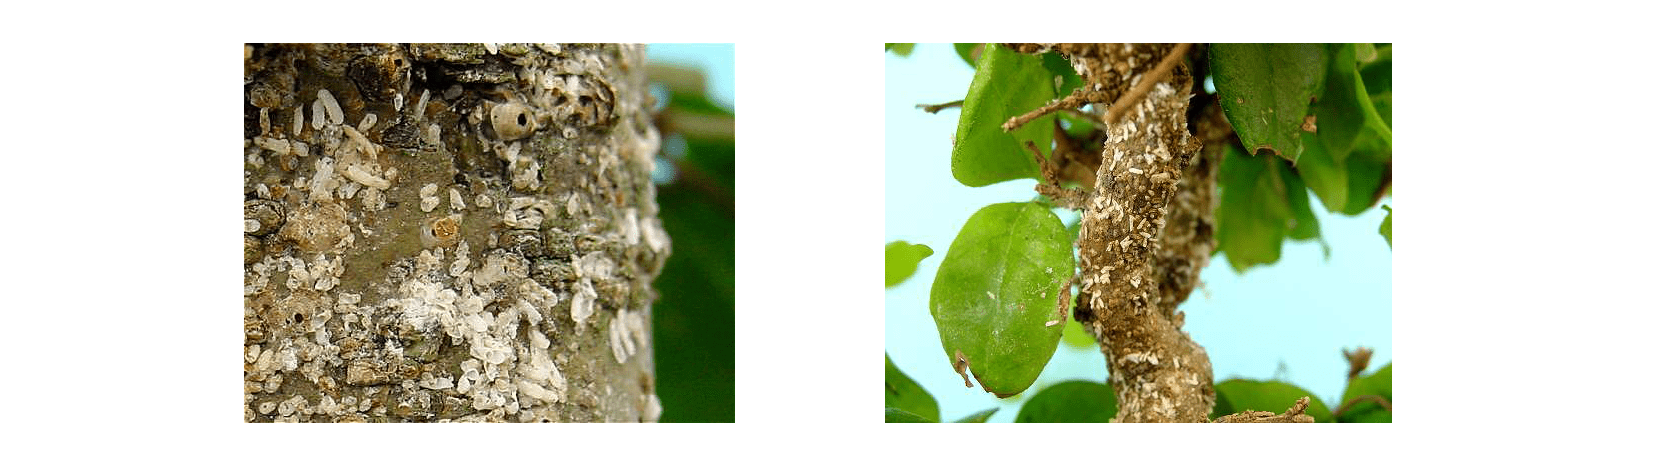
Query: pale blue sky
[717, 61]
[1299, 312]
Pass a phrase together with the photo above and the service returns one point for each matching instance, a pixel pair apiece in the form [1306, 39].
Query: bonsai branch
[1158, 373]
[1148, 80]
[1293, 415]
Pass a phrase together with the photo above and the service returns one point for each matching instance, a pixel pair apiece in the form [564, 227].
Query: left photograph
[481, 232]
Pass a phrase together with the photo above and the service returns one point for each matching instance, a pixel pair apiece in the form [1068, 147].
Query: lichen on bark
[448, 232]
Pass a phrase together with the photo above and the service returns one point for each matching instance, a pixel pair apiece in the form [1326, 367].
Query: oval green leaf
[1265, 90]
[996, 291]
[1267, 396]
[902, 50]
[905, 394]
[1006, 84]
[902, 258]
[1262, 203]
[1070, 402]
[1379, 384]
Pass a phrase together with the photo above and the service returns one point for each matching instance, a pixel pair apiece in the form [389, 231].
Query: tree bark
[1146, 226]
[448, 233]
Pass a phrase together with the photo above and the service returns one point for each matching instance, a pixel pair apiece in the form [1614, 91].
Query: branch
[1158, 373]
[1068, 198]
[1077, 98]
[1293, 415]
[1148, 80]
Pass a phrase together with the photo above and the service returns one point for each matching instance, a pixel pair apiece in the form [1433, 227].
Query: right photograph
[1139, 233]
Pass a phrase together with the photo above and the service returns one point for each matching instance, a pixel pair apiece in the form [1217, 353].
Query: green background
[1522, 281]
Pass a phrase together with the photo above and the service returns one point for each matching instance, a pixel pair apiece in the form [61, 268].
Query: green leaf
[902, 258]
[1387, 229]
[1379, 74]
[1365, 53]
[1076, 336]
[966, 51]
[980, 416]
[997, 289]
[1366, 169]
[1265, 89]
[1327, 177]
[1253, 211]
[1384, 104]
[1267, 396]
[902, 50]
[905, 394]
[1058, 65]
[900, 416]
[1303, 225]
[1346, 186]
[694, 322]
[1348, 104]
[1070, 402]
[1006, 84]
[1379, 384]
[1222, 407]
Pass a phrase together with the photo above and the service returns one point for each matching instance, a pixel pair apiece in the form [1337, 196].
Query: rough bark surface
[448, 233]
[1146, 229]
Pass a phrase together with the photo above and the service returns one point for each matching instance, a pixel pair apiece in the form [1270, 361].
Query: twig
[1357, 399]
[935, 108]
[1050, 172]
[1293, 415]
[1148, 80]
[1074, 163]
[1076, 99]
[1068, 198]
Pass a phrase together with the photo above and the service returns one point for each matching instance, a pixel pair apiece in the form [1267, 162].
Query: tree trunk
[1147, 224]
[448, 233]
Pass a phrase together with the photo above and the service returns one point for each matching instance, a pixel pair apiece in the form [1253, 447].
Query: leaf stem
[935, 108]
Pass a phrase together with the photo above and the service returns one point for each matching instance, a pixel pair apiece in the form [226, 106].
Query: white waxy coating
[367, 123]
[335, 115]
[356, 173]
[317, 116]
[299, 119]
[581, 305]
[429, 197]
[420, 105]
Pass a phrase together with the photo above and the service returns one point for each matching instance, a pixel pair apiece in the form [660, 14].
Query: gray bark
[448, 233]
